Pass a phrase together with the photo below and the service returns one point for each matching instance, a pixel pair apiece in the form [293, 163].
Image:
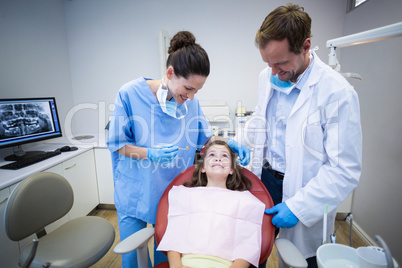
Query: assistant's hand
[242, 151]
[284, 217]
[163, 153]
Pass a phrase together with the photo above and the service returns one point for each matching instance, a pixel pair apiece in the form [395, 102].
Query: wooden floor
[112, 260]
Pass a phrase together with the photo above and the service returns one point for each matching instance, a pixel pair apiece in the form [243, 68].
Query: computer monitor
[25, 121]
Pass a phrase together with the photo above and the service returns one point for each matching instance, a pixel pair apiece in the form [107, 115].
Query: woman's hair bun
[186, 56]
[180, 40]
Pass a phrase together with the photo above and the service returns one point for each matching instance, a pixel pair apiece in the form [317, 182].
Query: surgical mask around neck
[169, 107]
[282, 86]
[287, 86]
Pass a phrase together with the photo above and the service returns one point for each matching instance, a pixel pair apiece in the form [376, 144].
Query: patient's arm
[174, 258]
[240, 263]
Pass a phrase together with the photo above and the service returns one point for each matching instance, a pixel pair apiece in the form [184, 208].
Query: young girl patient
[215, 221]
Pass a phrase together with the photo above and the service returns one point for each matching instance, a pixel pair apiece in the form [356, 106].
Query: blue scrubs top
[139, 120]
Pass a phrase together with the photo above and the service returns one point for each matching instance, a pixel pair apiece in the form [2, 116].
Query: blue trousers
[127, 226]
[275, 189]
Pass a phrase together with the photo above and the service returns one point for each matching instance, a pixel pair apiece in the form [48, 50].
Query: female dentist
[154, 132]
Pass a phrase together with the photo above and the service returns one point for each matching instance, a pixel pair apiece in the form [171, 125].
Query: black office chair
[42, 199]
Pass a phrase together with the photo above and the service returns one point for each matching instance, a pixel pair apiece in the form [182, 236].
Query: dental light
[382, 33]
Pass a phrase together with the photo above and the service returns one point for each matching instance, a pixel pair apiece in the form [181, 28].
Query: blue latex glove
[163, 153]
[284, 217]
[242, 151]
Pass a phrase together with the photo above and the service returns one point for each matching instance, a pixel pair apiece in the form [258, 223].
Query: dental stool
[42, 199]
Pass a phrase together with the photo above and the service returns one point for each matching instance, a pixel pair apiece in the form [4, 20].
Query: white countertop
[10, 177]
[82, 140]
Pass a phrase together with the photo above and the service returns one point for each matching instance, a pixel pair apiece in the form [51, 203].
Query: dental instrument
[180, 149]
[324, 228]
[332, 237]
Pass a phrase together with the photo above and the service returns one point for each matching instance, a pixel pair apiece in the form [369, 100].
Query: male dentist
[305, 131]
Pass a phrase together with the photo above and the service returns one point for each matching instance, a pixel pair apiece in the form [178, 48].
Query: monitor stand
[20, 154]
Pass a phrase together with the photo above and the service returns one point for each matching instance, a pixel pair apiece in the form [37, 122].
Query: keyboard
[30, 160]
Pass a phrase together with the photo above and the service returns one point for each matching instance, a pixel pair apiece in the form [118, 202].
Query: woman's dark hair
[236, 181]
[186, 56]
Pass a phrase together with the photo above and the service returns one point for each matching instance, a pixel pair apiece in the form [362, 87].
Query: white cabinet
[9, 251]
[80, 173]
[104, 174]
[53, 226]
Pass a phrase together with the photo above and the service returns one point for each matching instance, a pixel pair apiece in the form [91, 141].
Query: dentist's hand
[284, 217]
[242, 151]
[163, 153]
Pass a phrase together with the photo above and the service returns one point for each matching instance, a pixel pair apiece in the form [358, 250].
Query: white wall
[378, 200]
[33, 52]
[112, 42]
[83, 51]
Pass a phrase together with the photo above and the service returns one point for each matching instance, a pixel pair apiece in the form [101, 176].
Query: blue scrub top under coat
[139, 120]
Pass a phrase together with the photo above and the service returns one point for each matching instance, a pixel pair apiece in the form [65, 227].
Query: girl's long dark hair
[236, 181]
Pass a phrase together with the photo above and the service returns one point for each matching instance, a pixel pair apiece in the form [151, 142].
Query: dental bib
[214, 221]
[170, 107]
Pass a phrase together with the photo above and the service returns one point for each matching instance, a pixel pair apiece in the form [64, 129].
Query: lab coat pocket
[313, 137]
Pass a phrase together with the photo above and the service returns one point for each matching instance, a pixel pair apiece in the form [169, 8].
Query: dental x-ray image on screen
[27, 120]
[22, 119]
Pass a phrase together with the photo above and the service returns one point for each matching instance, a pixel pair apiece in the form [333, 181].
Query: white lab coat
[323, 150]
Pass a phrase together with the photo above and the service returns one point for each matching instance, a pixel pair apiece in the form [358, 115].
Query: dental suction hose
[390, 262]
[351, 230]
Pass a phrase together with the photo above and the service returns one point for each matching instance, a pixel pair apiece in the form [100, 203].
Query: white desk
[10, 177]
